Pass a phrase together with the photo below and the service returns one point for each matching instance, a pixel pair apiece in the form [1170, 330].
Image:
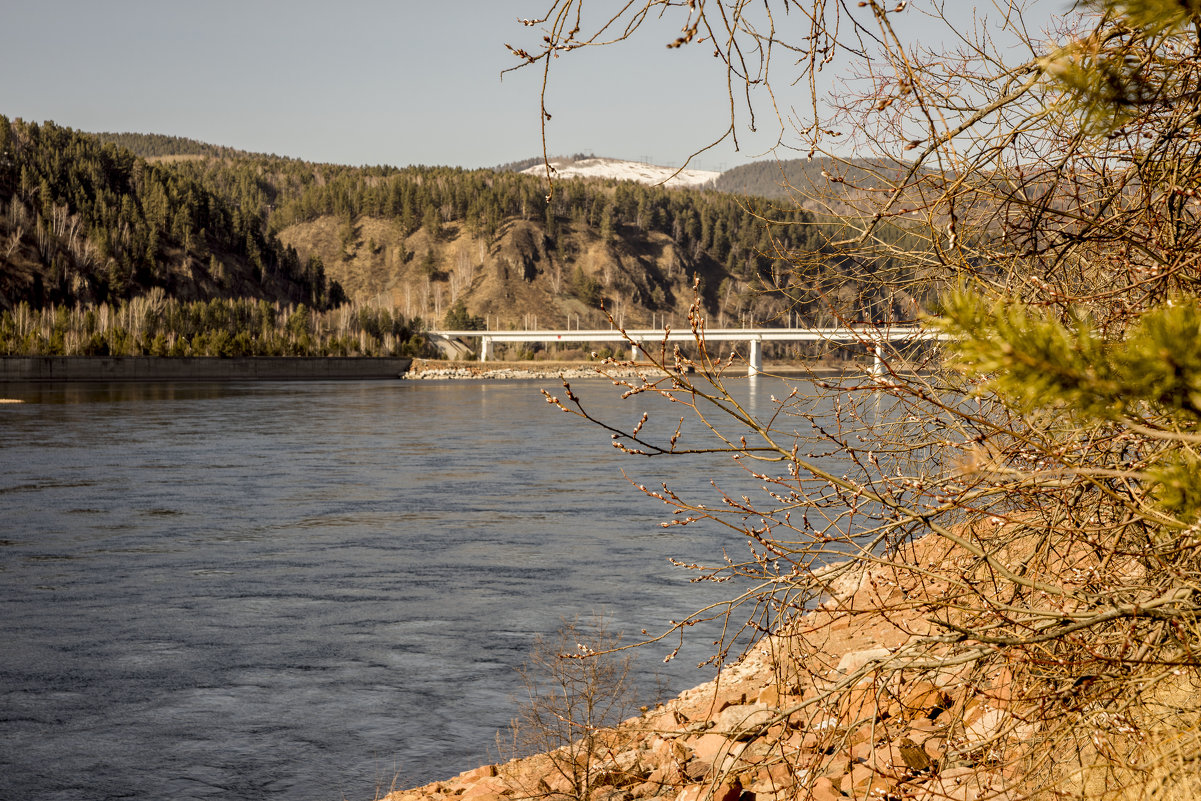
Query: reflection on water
[301, 590]
[117, 391]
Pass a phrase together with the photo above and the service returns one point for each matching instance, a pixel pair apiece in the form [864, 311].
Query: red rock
[713, 748]
[823, 789]
[485, 787]
[728, 791]
[860, 704]
[666, 775]
[858, 780]
[854, 660]
[698, 770]
[742, 719]
[922, 729]
[769, 695]
[984, 723]
[644, 790]
[609, 793]
[776, 775]
[922, 698]
[836, 767]
[667, 720]
[474, 775]
[866, 733]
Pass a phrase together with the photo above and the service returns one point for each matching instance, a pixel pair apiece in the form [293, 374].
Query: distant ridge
[150, 145]
[803, 180]
[620, 170]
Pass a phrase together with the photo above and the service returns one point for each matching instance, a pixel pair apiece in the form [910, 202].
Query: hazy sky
[355, 81]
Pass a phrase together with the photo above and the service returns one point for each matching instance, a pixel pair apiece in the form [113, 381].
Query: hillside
[821, 185]
[619, 170]
[89, 221]
[82, 221]
[426, 238]
[517, 278]
[161, 146]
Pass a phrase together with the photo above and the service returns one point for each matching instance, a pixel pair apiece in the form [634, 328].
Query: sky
[359, 81]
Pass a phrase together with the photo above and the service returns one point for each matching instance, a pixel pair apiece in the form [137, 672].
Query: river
[307, 591]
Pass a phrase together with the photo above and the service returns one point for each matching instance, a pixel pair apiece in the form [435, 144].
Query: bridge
[639, 339]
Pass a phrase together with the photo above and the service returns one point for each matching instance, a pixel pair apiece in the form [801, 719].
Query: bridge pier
[754, 364]
[485, 348]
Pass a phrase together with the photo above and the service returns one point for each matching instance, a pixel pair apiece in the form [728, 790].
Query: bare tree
[1043, 185]
[577, 688]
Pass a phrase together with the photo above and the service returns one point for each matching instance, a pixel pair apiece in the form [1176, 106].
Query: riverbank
[199, 368]
[818, 713]
[425, 369]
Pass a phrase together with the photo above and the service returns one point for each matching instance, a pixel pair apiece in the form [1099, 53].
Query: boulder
[742, 721]
[854, 660]
[824, 789]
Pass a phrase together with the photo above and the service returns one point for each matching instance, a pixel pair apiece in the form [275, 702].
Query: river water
[306, 591]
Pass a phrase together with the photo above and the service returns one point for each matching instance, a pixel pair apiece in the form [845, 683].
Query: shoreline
[770, 727]
[38, 369]
[82, 369]
[433, 369]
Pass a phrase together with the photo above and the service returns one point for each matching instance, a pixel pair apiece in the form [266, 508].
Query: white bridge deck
[640, 338]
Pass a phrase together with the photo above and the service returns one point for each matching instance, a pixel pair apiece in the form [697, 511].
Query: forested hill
[154, 146]
[823, 185]
[427, 238]
[85, 221]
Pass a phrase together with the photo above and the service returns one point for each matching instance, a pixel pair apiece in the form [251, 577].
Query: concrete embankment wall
[196, 368]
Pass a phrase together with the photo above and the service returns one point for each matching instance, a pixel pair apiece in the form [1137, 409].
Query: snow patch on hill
[625, 171]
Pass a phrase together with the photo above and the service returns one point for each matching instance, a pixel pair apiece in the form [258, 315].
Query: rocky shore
[429, 369]
[819, 713]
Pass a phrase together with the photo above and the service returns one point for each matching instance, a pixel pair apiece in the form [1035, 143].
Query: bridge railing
[872, 336]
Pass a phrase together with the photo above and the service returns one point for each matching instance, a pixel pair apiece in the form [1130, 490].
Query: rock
[857, 782]
[896, 731]
[484, 789]
[698, 770]
[853, 661]
[836, 767]
[860, 704]
[824, 789]
[711, 748]
[741, 722]
[667, 720]
[475, 774]
[923, 699]
[820, 733]
[609, 793]
[984, 724]
[922, 729]
[776, 776]
[769, 695]
[965, 784]
[627, 762]
[645, 790]
[728, 791]
[913, 755]
[666, 775]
